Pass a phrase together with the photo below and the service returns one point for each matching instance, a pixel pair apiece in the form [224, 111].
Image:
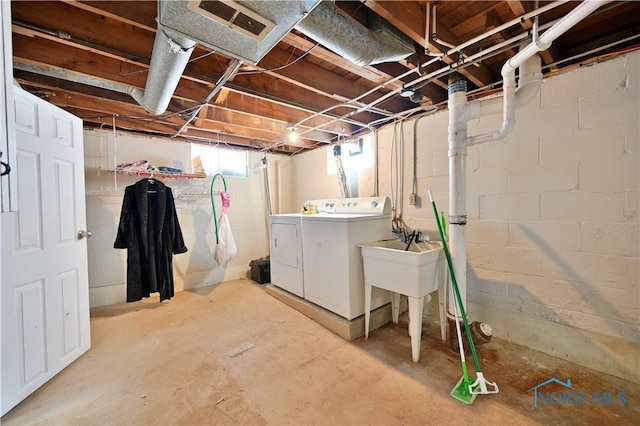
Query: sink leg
[441, 279]
[367, 309]
[395, 306]
[415, 325]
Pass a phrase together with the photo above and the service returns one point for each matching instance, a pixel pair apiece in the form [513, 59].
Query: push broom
[464, 391]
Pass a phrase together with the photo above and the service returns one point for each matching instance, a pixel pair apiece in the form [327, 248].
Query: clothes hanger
[152, 181]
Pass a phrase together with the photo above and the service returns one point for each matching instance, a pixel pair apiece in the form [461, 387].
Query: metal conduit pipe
[171, 52]
[338, 31]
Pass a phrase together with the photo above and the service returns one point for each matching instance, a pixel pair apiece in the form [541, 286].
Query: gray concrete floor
[182, 362]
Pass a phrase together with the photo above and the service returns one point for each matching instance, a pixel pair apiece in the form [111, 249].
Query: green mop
[464, 391]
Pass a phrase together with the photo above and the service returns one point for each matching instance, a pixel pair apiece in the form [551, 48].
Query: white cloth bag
[226, 248]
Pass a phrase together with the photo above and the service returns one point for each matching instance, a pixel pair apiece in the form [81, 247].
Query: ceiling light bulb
[293, 136]
[406, 92]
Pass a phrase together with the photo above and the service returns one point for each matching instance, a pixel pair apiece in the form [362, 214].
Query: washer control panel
[364, 205]
[360, 205]
[327, 205]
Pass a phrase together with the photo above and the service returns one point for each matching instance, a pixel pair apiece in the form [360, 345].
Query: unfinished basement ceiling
[84, 55]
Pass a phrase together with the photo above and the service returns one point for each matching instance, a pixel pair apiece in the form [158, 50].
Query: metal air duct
[341, 33]
[245, 30]
[170, 55]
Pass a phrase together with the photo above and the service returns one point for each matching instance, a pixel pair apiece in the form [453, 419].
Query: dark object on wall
[7, 168]
[150, 232]
[261, 270]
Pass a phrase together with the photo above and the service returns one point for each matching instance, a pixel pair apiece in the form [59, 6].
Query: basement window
[213, 159]
[355, 154]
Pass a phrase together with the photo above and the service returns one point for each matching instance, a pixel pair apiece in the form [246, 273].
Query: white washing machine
[333, 268]
[285, 241]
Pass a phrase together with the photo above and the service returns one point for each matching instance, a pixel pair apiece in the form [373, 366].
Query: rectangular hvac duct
[243, 29]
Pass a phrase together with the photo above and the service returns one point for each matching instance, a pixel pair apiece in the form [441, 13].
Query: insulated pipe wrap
[333, 28]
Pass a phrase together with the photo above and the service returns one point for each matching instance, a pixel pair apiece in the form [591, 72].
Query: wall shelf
[159, 175]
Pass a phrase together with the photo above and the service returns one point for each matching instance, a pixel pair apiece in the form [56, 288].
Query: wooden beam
[409, 17]
[367, 73]
[141, 14]
[315, 78]
[105, 71]
[214, 121]
[204, 71]
[492, 21]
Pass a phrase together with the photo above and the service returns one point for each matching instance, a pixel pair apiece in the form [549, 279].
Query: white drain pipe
[543, 42]
[460, 112]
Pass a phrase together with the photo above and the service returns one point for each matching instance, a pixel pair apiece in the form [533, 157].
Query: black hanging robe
[150, 232]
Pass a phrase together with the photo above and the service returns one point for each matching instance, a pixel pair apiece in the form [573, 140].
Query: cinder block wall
[553, 232]
[553, 220]
[248, 215]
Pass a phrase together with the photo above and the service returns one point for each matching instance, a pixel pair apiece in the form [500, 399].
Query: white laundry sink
[413, 272]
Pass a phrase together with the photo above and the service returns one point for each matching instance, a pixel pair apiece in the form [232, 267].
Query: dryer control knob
[374, 204]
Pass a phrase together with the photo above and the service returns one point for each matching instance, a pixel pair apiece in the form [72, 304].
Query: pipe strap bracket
[460, 219]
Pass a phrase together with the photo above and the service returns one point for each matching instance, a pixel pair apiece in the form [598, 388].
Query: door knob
[84, 234]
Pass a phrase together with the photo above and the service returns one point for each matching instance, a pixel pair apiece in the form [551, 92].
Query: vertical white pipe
[278, 187]
[433, 31]
[427, 35]
[457, 191]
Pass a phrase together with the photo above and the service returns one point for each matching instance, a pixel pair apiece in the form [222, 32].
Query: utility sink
[415, 272]
[411, 272]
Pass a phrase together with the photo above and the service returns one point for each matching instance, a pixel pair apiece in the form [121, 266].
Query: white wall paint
[196, 268]
[553, 214]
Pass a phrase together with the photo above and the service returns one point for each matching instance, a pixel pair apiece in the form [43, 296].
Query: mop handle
[445, 246]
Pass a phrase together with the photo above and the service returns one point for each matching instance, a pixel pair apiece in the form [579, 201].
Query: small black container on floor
[261, 270]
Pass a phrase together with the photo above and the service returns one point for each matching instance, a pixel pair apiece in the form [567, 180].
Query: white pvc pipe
[459, 112]
[427, 17]
[530, 79]
[457, 190]
[278, 186]
[583, 10]
[418, 80]
[534, 13]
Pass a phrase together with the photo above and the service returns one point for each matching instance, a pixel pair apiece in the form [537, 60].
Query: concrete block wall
[248, 215]
[553, 232]
[569, 203]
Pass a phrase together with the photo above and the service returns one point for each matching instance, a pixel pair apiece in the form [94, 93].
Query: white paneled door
[45, 292]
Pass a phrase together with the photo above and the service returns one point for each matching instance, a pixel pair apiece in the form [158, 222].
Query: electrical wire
[288, 64]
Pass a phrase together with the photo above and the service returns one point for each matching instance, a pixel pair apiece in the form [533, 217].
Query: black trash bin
[260, 270]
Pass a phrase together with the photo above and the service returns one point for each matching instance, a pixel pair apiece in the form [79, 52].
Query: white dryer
[285, 241]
